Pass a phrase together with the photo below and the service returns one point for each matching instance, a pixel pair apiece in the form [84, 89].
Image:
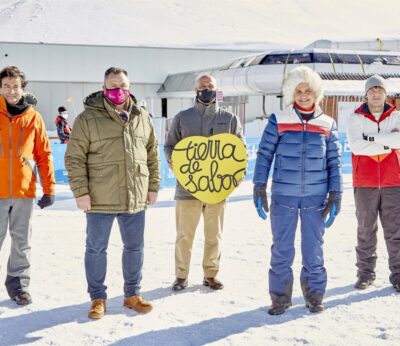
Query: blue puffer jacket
[307, 158]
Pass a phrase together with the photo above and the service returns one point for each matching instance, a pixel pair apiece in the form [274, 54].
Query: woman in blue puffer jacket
[306, 180]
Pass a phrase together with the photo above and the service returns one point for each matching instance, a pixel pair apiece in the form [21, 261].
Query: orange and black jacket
[24, 150]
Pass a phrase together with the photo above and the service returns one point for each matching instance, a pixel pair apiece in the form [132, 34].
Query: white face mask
[64, 115]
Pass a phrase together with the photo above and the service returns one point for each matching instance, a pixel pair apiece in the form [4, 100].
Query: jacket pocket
[142, 183]
[24, 175]
[32, 165]
[21, 134]
[1, 148]
[278, 166]
[103, 185]
[221, 127]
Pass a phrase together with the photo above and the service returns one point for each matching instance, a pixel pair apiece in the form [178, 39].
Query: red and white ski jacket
[376, 159]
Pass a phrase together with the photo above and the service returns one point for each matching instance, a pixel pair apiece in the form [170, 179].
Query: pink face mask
[117, 96]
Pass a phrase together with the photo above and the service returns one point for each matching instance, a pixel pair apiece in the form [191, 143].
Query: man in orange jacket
[24, 145]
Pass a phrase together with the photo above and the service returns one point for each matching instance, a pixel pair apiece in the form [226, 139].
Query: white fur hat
[302, 74]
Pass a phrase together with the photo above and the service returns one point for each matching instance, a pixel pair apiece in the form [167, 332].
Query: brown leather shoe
[278, 308]
[138, 304]
[97, 309]
[315, 307]
[213, 283]
[179, 284]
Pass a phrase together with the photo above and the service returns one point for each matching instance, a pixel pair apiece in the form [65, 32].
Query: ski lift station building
[250, 82]
[64, 74]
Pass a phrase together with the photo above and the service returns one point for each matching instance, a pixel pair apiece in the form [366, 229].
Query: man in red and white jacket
[374, 139]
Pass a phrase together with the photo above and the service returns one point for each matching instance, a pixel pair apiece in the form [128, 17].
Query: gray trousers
[16, 215]
[371, 202]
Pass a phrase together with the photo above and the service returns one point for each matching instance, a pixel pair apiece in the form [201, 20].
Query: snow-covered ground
[250, 24]
[237, 315]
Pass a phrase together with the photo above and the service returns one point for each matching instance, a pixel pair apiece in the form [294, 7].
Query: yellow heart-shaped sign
[210, 167]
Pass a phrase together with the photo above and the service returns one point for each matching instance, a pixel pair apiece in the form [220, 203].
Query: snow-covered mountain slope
[228, 23]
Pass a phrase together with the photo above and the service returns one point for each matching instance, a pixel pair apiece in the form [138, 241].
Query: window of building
[274, 59]
[345, 58]
[383, 59]
[297, 58]
[321, 58]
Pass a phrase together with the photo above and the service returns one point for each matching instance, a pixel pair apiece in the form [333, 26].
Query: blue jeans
[285, 212]
[98, 231]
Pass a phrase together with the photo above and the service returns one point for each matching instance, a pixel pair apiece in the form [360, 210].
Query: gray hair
[204, 75]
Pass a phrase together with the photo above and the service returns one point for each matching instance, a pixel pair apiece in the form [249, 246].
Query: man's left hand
[151, 197]
[332, 208]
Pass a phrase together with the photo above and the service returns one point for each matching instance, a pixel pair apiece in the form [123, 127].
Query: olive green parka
[116, 163]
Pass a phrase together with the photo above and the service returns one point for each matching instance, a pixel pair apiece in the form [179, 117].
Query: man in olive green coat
[113, 169]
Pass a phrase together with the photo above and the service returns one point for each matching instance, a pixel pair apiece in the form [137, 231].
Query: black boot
[364, 282]
[395, 281]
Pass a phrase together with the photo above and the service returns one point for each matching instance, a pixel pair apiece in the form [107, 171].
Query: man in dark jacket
[205, 118]
[114, 172]
[63, 128]
[306, 181]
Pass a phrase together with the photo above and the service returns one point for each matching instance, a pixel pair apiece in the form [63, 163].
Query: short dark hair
[13, 72]
[62, 109]
[114, 70]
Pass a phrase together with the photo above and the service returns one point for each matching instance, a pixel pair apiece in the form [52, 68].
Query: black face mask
[206, 96]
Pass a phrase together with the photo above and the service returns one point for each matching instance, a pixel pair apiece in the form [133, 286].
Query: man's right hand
[83, 202]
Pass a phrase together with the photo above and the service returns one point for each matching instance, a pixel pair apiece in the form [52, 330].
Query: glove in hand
[46, 201]
[332, 208]
[260, 200]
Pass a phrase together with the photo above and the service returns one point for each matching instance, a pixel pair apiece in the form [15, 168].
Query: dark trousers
[371, 202]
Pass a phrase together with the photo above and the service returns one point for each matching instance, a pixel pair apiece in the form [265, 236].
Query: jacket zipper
[302, 157]
[202, 130]
[379, 165]
[10, 147]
